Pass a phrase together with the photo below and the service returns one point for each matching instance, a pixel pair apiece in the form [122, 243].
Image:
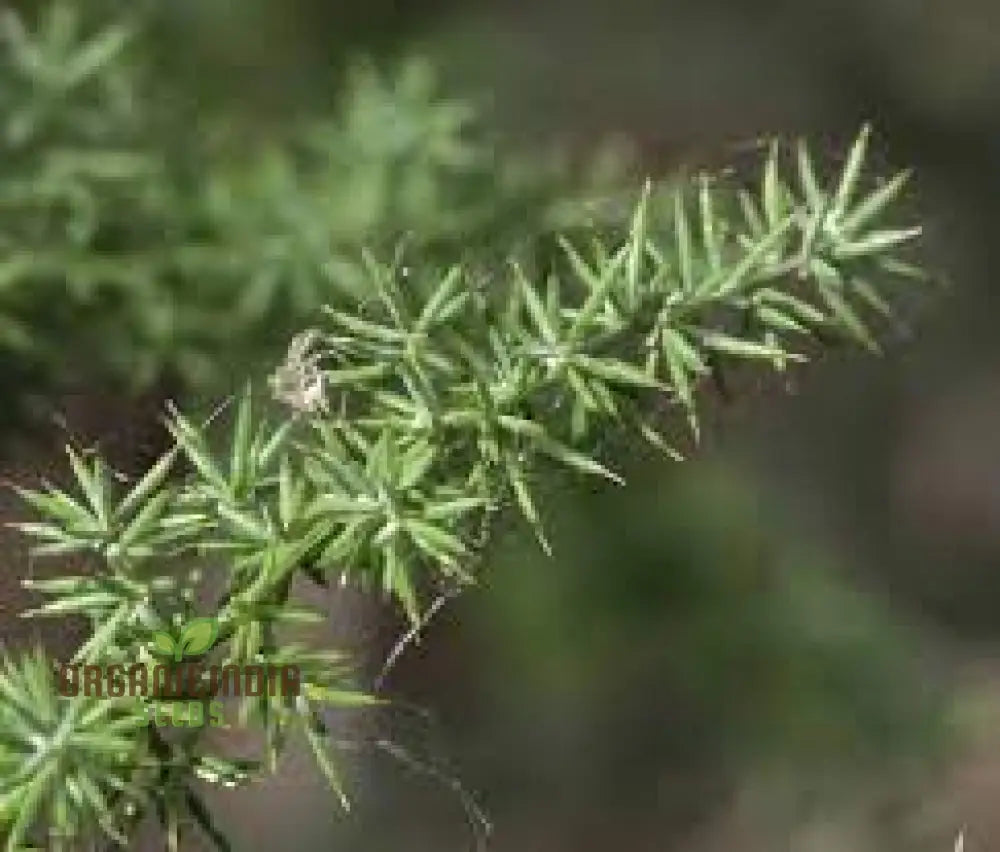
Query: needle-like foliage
[414, 414]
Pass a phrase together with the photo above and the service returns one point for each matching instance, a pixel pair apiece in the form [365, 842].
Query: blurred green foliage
[689, 575]
[685, 630]
[162, 239]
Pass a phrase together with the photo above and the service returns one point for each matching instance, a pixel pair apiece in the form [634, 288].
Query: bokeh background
[786, 642]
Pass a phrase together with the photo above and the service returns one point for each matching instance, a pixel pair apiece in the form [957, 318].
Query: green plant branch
[417, 414]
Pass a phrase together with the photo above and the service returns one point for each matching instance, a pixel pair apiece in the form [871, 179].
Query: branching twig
[413, 634]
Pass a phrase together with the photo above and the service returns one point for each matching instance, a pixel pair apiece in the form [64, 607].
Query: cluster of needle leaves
[411, 418]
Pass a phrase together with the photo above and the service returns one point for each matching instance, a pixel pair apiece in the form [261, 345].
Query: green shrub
[162, 242]
[433, 394]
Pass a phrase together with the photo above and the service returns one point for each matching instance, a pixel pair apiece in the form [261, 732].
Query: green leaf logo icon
[164, 644]
[197, 637]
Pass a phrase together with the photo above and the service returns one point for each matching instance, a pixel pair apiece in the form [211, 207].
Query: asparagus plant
[412, 414]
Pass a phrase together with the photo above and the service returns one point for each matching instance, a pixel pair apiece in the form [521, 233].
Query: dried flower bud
[298, 382]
